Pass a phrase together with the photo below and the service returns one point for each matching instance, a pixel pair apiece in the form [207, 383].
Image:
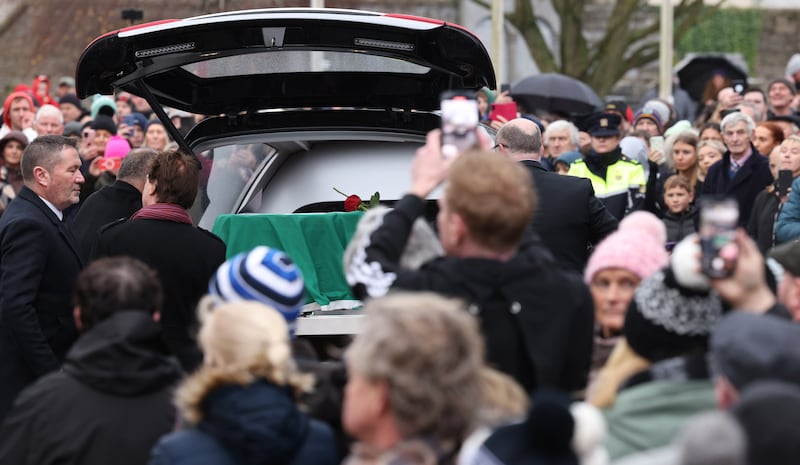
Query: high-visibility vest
[623, 178]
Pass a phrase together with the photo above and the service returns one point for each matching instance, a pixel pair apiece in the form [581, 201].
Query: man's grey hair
[429, 351]
[734, 119]
[135, 164]
[44, 151]
[712, 438]
[519, 141]
[49, 109]
[560, 125]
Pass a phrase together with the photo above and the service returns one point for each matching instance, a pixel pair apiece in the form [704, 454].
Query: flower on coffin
[354, 202]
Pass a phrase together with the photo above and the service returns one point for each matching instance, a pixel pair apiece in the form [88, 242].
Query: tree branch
[524, 19]
[486, 5]
[641, 56]
[573, 48]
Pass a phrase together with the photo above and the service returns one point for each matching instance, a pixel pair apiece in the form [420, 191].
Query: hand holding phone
[657, 149]
[718, 220]
[101, 164]
[506, 110]
[785, 179]
[459, 123]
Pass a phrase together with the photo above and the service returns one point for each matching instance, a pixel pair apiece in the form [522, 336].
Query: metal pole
[498, 42]
[317, 3]
[665, 52]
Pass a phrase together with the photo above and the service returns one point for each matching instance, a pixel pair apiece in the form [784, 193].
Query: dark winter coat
[787, 227]
[680, 225]
[39, 262]
[257, 424]
[537, 320]
[750, 179]
[761, 225]
[110, 404]
[184, 256]
[569, 218]
[119, 200]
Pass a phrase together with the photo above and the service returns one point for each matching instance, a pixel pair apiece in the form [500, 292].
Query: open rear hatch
[239, 63]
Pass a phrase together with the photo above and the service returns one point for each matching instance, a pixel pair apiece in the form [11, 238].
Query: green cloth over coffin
[315, 241]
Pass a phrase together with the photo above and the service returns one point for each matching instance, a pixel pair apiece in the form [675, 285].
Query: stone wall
[780, 39]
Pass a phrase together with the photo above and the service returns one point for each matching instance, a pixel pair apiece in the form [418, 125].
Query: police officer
[618, 181]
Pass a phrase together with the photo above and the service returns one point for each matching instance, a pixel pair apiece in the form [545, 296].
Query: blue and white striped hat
[265, 275]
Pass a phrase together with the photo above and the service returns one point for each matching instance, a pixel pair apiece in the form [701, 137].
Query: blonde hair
[241, 341]
[503, 399]
[429, 351]
[494, 196]
[690, 138]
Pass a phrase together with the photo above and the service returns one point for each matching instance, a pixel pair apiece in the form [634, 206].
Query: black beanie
[666, 320]
[105, 123]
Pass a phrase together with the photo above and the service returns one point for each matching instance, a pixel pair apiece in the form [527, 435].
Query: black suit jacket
[119, 200]
[39, 263]
[569, 217]
[750, 179]
[185, 257]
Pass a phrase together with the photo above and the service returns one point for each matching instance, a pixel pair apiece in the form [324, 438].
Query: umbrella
[696, 69]
[556, 93]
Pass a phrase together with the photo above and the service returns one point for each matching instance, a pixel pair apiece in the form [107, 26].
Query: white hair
[49, 109]
[735, 118]
[560, 125]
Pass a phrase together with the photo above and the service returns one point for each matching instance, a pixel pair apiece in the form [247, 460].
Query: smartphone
[459, 123]
[506, 110]
[505, 88]
[738, 86]
[657, 145]
[109, 164]
[718, 220]
[784, 182]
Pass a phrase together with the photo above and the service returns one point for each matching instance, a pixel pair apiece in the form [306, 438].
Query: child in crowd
[681, 217]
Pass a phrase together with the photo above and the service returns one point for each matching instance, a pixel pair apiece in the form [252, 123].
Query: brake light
[415, 18]
[131, 28]
[429, 20]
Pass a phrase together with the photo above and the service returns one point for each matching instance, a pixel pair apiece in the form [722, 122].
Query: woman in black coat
[161, 234]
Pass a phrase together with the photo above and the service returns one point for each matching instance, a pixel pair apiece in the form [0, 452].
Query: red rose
[351, 203]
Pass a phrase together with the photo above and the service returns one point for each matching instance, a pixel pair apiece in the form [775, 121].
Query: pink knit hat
[637, 246]
[117, 147]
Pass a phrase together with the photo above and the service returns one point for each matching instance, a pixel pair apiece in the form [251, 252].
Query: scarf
[598, 163]
[163, 211]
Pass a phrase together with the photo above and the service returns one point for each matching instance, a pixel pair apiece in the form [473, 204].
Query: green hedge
[726, 30]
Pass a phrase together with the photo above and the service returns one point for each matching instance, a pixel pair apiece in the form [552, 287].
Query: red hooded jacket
[7, 105]
[45, 99]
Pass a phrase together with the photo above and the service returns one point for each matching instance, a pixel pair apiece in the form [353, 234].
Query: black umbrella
[696, 69]
[557, 93]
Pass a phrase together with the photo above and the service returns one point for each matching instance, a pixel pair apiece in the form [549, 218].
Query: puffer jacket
[256, 424]
[680, 225]
[788, 225]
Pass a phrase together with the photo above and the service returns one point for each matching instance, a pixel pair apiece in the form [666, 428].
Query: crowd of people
[558, 312]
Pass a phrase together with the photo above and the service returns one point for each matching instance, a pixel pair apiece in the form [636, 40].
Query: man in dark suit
[119, 200]
[742, 172]
[39, 262]
[570, 218]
